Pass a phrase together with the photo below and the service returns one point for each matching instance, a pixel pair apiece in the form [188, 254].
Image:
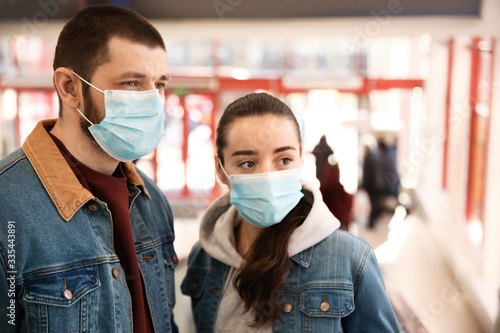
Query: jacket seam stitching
[13, 162]
[59, 302]
[361, 269]
[60, 268]
[152, 244]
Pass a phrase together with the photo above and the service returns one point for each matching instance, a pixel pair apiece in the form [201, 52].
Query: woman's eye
[247, 165]
[285, 161]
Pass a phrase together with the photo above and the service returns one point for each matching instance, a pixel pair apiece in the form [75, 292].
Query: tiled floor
[413, 268]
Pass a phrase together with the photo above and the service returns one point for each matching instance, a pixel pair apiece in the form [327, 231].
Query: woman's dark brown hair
[267, 266]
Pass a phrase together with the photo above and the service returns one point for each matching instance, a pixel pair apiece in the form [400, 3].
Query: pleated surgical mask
[133, 125]
[264, 199]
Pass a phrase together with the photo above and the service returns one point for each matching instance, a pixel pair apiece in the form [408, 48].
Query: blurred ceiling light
[240, 73]
[418, 92]
[482, 109]
[484, 45]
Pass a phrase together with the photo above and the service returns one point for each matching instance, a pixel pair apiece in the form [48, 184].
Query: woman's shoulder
[341, 235]
[199, 259]
[198, 255]
[343, 244]
[339, 259]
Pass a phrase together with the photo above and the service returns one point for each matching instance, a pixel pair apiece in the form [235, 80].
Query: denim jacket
[59, 271]
[334, 285]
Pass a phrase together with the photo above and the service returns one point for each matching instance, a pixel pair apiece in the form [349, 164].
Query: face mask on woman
[264, 199]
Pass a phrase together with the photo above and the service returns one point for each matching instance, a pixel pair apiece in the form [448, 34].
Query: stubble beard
[92, 114]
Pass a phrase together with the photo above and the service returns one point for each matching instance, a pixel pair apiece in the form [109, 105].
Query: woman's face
[260, 144]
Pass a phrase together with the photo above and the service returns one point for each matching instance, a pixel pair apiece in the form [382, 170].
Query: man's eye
[160, 86]
[130, 83]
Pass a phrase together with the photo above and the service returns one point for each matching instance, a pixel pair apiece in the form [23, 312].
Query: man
[86, 240]
[380, 178]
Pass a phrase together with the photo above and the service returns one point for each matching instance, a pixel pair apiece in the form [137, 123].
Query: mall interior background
[426, 80]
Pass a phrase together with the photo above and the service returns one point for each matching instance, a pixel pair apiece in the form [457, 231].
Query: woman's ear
[67, 87]
[220, 173]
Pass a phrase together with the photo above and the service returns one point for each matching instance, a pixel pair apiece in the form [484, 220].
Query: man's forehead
[128, 57]
[123, 49]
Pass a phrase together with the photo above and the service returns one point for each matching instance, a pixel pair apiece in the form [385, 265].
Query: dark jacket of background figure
[380, 175]
[380, 178]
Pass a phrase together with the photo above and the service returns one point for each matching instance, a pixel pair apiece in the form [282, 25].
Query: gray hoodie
[217, 239]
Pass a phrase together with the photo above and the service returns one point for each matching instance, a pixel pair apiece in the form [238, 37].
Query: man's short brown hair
[83, 42]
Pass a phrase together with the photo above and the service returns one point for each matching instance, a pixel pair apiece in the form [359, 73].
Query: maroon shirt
[113, 190]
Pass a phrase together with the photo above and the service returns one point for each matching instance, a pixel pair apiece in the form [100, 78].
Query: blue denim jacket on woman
[59, 271]
[334, 286]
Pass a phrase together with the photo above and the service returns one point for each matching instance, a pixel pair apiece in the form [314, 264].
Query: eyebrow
[166, 77]
[136, 75]
[281, 149]
[252, 153]
[244, 152]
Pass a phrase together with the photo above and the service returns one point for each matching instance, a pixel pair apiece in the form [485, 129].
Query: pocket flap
[192, 285]
[62, 288]
[327, 301]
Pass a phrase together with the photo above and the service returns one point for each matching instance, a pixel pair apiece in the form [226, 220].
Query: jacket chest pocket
[322, 307]
[63, 301]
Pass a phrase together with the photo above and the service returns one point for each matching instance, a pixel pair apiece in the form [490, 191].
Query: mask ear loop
[90, 84]
[87, 119]
[220, 163]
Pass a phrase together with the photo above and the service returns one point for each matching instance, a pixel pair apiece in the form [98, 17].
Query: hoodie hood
[221, 218]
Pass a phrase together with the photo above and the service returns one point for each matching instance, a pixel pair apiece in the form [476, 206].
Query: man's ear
[220, 172]
[68, 87]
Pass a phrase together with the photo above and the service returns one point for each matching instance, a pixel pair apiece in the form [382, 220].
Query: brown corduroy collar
[56, 175]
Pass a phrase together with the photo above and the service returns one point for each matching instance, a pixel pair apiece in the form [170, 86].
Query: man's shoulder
[153, 189]
[12, 160]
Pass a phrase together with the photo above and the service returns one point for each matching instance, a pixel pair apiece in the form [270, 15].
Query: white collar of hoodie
[221, 218]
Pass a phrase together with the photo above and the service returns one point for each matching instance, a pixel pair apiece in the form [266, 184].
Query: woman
[270, 257]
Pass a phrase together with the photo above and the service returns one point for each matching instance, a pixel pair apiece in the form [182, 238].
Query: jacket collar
[303, 258]
[66, 192]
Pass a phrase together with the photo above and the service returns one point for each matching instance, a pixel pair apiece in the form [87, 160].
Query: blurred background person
[328, 173]
[380, 177]
[321, 152]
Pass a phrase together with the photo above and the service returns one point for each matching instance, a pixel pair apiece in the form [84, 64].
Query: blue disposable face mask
[133, 125]
[264, 199]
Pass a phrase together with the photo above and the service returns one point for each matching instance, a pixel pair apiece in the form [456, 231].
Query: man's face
[132, 66]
